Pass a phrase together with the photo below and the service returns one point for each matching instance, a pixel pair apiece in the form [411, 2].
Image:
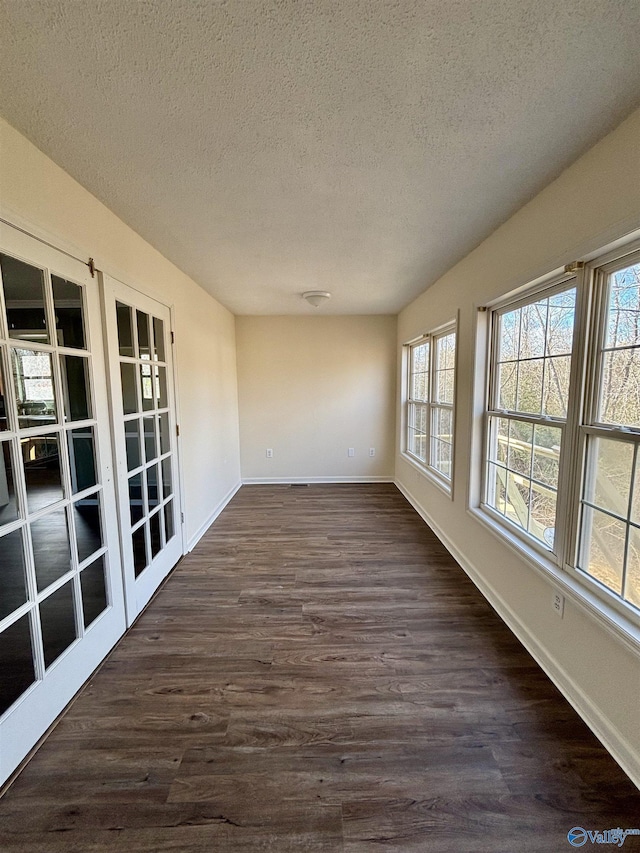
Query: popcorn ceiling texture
[269, 147]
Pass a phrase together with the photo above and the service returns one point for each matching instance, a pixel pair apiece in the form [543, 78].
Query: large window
[430, 402]
[562, 460]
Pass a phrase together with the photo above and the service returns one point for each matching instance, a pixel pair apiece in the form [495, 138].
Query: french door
[144, 434]
[61, 591]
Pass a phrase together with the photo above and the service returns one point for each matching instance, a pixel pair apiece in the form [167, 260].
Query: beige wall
[592, 203]
[310, 388]
[38, 194]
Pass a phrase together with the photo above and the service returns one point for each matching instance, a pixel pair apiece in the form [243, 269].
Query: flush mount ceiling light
[316, 297]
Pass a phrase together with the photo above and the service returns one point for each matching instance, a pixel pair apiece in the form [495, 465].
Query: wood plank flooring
[317, 675]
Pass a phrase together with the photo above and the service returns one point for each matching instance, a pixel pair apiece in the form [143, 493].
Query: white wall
[35, 192]
[592, 203]
[310, 388]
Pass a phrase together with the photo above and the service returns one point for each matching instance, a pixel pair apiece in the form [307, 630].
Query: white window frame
[430, 405]
[562, 559]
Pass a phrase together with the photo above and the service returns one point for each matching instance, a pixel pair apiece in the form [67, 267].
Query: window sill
[445, 486]
[616, 623]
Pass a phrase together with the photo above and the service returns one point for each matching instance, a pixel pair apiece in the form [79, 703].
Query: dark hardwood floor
[318, 675]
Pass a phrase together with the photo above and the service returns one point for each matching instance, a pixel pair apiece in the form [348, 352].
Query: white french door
[61, 591]
[144, 435]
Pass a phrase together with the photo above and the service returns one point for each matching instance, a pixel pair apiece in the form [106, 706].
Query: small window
[430, 402]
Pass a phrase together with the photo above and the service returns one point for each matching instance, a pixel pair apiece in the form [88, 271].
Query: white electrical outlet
[372, 451]
[351, 451]
[269, 453]
[557, 603]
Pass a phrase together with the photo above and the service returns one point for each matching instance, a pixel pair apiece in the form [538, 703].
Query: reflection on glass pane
[167, 485]
[620, 400]
[129, 395]
[33, 382]
[136, 498]
[82, 458]
[94, 591]
[4, 425]
[24, 298]
[507, 385]
[529, 395]
[57, 618]
[86, 517]
[132, 442]
[51, 552]
[632, 582]
[603, 548]
[125, 334]
[610, 484]
[13, 589]
[168, 521]
[623, 321]
[150, 444]
[75, 385]
[158, 339]
[154, 531]
[17, 672]
[139, 550]
[142, 322]
[146, 387]
[165, 438]
[8, 503]
[546, 454]
[556, 386]
[152, 486]
[161, 387]
[67, 298]
[41, 457]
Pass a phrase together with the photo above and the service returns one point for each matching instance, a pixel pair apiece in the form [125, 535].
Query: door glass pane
[158, 339]
[163, 423]
[125, 334]
[77, 405]
[13, 588]
[94, 592]
[33, 381]
[4, 425]
[41, 455]
[146, 387]
[154, 530]
[150, 446]
[129, 396]
[8, 503]
[57, 617]
[152, 486]
[139, 550]
[161, 387]
[17, 672]
[132, 443]
[86, 517]
[51, 552]
[136, 499]
[82, 458]
[67, 299]
[168, 521]
[167, 486]
[24, 299]
[142, 321]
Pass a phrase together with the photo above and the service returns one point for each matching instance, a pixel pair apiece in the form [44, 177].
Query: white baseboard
[611, 738]
[274, 481]
[191, 544]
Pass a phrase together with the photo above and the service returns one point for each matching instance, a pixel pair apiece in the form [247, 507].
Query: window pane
[142, 322]
[542, 514]
[632, 585]
[161, 387]
[158, 339]
[635, 502]
[86, 517]
[556, 386]
[168, 521]
[33, 382]
[57, 617]
[146, 387]
[420, 372]
[507, 385]
[8, 503]
[24, 300]
[603, 548]
[94, 592]
[546, 454]
[529, 394]
[611, 464]
[620, 393]
[444, 386]
[17, 672]
[51, 552]
[560, 323]
[75, 385]
[132, 443]
[129, 395]
[509, 336]
[125, 334]
[533, 329]
[41, 457]
[165, 438]
[136, 498]
[153, 495]
[139, 550]
[154, 531]
[167, 484]
[82, 459]
[67, 298]
[4, 425]
[13, 586]
[623, 316]
[150, 444]
[520, 447]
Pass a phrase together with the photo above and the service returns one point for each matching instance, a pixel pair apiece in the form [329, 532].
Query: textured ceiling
[358, 146]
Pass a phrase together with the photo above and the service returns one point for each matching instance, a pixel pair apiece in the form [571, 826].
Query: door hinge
[182, 517]
[173, 338]
[574, 266]
[177, 429]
